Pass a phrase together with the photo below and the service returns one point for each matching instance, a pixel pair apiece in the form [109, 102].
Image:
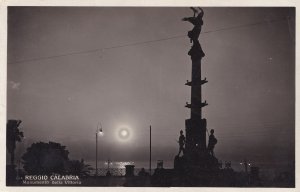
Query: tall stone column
[195, 127]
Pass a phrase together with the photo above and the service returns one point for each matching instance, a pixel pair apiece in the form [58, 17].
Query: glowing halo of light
[123, 133]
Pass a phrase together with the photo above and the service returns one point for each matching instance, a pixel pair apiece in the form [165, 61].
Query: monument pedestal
[202, 171]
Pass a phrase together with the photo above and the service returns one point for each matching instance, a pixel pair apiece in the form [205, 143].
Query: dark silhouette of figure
[212, 141]
[197, 22]
[181, 142]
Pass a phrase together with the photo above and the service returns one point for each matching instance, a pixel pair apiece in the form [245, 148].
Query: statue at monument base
[199, 168]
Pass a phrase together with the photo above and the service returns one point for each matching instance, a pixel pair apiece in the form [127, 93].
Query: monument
[197, 161]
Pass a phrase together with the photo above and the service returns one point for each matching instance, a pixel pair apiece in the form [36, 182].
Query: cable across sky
[146, 42]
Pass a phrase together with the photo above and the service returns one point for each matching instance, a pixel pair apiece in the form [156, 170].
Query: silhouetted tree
[79, 168]
[45, 158]
[13, 135]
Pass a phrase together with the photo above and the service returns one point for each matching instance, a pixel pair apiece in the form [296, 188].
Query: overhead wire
[143, 42]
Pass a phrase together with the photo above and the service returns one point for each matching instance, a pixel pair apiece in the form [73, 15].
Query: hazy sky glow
[250, 72]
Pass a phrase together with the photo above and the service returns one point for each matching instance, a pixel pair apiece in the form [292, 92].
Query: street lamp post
[99, 131]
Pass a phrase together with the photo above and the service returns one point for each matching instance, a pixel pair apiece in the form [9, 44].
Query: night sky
[250, 71]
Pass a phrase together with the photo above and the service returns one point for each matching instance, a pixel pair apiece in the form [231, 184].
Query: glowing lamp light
[99, 132]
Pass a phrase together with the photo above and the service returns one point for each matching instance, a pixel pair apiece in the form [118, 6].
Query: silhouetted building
[129, 170]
